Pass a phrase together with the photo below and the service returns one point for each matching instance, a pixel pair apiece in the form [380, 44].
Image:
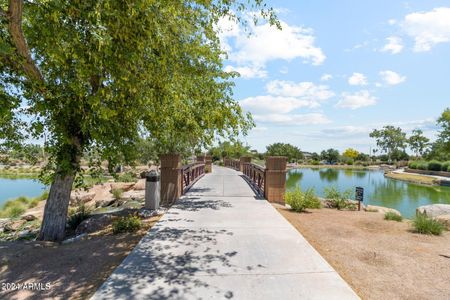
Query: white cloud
[304, 90]
[266, 43]
[296, 119]
[428, 28]
[274, 104]
[394, 45]
[392, 21]
[248, 72]
[326, 77]
[356, 100]
[391, 77]
[357, 79]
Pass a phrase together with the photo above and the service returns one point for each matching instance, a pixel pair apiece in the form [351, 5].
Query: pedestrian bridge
[222, 240]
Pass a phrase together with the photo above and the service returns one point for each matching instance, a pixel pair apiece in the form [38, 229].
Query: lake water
[13, 188]
[378, 190]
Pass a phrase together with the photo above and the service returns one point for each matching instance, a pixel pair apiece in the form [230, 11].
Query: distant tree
[389, 139]
[351, 153]
[363, 157]
[315, 156]
[229, 149]
[331, 155]
[418, 142]
[281, 149]
[441, 147]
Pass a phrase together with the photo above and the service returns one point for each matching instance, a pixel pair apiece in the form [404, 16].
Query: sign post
[359, 196]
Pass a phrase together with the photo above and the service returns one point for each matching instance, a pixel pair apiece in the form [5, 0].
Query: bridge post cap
[276, 162]
[152, 176]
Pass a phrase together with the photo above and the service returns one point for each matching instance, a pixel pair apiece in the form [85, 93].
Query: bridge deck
[221, 242]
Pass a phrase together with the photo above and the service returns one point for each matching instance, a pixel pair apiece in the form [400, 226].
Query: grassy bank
[412, 178]
[16, 207]
[20, 172]
[352, 167]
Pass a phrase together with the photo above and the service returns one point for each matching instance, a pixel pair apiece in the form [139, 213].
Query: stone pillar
[171, 185]
[244, 160]
[208, 164]
[275, 179]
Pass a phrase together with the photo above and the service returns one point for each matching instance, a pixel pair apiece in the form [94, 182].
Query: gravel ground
[379, 259]
[73, 271]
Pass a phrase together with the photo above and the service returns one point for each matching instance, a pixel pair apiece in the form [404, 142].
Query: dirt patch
[74, 271]
[379, 259]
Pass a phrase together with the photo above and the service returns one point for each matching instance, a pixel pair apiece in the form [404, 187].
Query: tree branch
[15, 30]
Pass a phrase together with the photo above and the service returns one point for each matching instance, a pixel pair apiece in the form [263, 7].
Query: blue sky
[339, 69]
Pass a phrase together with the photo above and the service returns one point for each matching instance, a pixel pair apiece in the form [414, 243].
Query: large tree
[93, 75]
[441, 147]
[390, 139]
[331, 155]
[292, 152]
[418, 142]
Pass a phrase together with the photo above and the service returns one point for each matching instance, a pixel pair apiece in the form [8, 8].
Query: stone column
[244, 160]
[208, 164]
[275, 179]
[171, 185]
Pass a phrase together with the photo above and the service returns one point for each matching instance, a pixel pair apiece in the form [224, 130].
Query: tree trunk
[55, 214]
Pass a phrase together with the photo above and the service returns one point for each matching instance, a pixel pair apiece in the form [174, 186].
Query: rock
[444, 219]
[24, 234]
[382, 209]
[81, 197]
[134, 195]
[28, 218]
[75, 239]
[124, 186]
[105, 203]
[94, 223]
[13, 226]
[434, 210]
[140, 185]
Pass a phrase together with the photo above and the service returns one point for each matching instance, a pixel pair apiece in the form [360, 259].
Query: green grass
[392, 216]
[299, 201]
[15, 208]
[426, 225]
[117, 193]
[126, 224]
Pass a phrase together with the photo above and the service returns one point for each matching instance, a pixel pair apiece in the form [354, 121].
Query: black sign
[359, 194]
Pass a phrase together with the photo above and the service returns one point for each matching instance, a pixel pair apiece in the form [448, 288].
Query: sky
[339, 69]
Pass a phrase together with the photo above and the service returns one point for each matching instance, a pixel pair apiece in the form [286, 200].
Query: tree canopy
[281, 149]
[390, 139]
[102, 74]
[331, 155]
[228, 149]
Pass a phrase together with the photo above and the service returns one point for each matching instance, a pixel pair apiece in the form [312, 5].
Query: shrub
[413, 164]
[15, 211]
[315, 163]
[117, 193]
[126, 224]
[299, 201]
[127, 177]
[392, 216]
[426, 225]
[434, 165]
[422, 165]
[446, 166]
[77, 216]
[339, 200]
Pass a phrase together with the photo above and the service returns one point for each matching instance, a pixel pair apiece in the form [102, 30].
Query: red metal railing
[256, 176]
[231, 163]
[190, 174]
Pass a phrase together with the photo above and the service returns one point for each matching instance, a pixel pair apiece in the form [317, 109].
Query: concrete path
[221, 242]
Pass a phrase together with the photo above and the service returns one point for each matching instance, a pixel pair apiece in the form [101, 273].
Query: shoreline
[348, 167]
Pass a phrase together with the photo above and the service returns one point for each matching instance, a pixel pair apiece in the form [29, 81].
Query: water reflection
[329, 175]
[379, 190]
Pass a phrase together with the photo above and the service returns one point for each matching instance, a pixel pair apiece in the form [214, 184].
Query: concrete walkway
[221, 242]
